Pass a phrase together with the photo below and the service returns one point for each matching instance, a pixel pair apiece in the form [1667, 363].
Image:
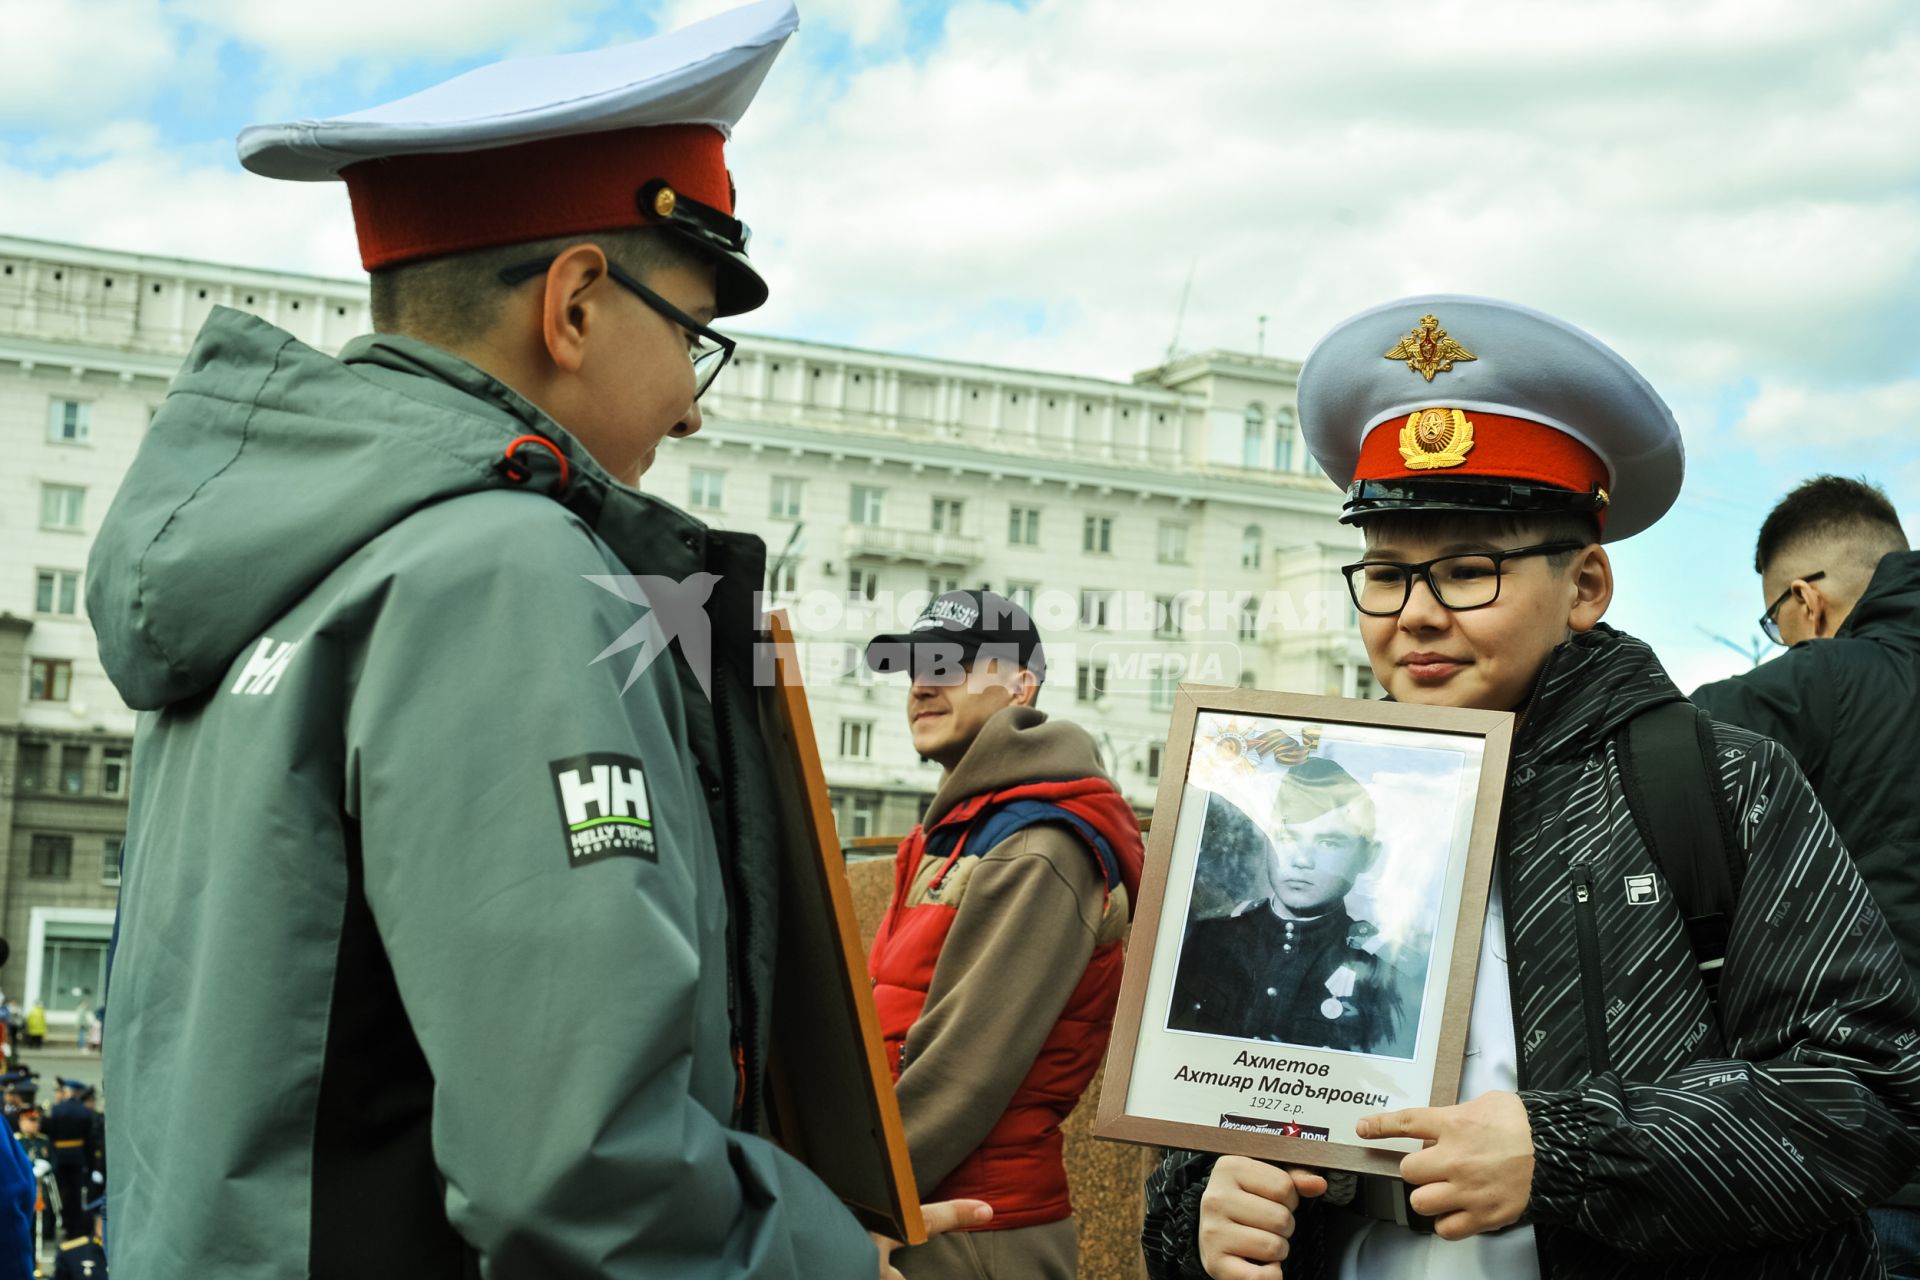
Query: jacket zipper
[745, 1027]
[1592, 988]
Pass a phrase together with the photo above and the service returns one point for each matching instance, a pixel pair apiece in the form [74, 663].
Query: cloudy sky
[1728, 191]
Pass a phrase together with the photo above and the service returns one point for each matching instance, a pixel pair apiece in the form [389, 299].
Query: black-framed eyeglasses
[1469, 580]
[708, 360]
[1770, 625]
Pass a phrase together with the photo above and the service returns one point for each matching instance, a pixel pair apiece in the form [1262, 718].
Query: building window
[783, 576]
[939, 586]
[857, 816]
[50, 857]
[1252, 546]
[1363, 684]
[1248, 680]
[1162, 695]
[69, 421]
[1172, 543]
[863, 584]
[856, 739]
[1094, 609]
[73, 770]
[62, 506]
[1253, 440]
[785, 503]
[1283, 434]
[49, 679]
[113, 772]
[704, 487]
[110, 859]
[1096, 535]
[32, 766]
[1021, 593]
[1023, 526]
[1156, 758]
[56, 591]
[946, 515]
[1090, 682]
[866, 505]
[1249, 621]
[1166, 616]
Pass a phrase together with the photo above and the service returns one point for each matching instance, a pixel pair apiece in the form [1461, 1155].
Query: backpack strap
[1667, 759]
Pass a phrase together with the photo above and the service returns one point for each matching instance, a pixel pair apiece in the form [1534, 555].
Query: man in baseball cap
[997, 965]
[385, 790]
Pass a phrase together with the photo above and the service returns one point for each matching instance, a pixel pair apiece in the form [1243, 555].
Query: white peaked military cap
[532, 148]
[1448, 402]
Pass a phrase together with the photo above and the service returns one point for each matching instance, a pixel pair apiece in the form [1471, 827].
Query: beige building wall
[867, 474]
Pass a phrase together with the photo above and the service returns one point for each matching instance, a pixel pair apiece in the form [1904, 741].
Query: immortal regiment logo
[1284, 1128]
[1113, 641]
[604, 807]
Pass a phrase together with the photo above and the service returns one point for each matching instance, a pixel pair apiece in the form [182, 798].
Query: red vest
[1017, 1169]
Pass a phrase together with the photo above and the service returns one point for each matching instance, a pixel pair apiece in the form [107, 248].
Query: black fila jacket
[1665, 1147]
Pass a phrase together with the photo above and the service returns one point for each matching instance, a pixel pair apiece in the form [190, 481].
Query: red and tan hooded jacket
[997, 966]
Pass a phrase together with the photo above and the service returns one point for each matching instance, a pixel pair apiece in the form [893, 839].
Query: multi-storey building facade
[1167, 529]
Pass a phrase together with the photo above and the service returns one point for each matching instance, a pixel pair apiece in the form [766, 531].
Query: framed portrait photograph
[831, 1099]
[1309, 924]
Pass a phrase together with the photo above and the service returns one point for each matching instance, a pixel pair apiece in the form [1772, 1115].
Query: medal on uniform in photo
[1435, 438]
[1339, 987]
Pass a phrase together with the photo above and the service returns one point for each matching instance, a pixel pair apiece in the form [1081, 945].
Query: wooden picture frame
[1266, 1025]
[832, 1103]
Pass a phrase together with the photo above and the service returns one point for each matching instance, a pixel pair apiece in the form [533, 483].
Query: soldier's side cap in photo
[957, 626]
[1453, 403]
[563, 144]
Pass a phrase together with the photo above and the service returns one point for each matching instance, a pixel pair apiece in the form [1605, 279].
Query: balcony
[912, 546]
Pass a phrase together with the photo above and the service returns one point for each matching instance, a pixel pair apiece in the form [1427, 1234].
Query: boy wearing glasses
[1615, 1120]
[384, 787]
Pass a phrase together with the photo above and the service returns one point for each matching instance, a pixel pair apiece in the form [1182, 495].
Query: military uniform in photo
[1259, 976]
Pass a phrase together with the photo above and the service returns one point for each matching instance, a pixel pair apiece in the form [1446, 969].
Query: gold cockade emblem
[1435, 438]
[1428, 350]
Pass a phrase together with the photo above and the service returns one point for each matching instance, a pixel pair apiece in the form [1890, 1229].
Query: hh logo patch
[604, 807]
[1642, 890]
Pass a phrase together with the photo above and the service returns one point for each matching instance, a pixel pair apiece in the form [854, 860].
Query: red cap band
[1502, 448]
[427, 206]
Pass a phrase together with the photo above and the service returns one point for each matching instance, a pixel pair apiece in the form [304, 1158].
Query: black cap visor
[1507, 497]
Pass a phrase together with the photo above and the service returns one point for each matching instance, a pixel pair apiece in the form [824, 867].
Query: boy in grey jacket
[384, 789]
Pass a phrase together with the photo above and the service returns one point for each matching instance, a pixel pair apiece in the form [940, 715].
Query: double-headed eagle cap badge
[1433, 438]
[1428, 350]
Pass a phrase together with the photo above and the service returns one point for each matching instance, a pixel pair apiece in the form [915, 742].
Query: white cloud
[299, 34]
[79, 61]
[133, 194]
[1797, 416]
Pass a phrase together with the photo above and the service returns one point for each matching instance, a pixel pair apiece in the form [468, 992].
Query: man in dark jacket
[1843, 590]
[1618, 1123]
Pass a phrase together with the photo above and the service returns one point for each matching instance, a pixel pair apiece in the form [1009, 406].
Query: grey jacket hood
[250, 488]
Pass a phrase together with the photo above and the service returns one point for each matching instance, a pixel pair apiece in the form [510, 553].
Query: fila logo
[262, 673]
[1642, 890]
[605, 810]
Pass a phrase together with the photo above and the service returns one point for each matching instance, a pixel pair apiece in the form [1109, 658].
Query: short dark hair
[1830, 507]
[455, 299]
[1493, 526]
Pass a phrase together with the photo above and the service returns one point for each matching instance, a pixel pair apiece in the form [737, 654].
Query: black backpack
[1668, 760]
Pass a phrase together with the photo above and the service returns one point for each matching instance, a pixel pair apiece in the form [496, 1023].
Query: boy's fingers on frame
[1414, 1122]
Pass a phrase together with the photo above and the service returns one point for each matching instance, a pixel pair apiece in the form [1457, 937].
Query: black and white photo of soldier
[1292, 965]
